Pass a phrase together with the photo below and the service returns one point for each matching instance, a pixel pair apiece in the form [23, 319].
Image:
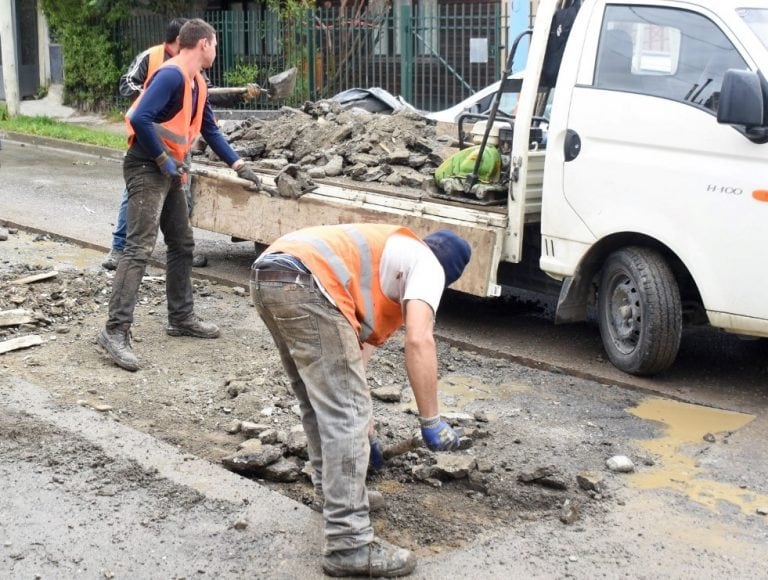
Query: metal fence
[433, 56]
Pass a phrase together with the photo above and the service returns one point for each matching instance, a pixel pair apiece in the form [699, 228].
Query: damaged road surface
[113, 474]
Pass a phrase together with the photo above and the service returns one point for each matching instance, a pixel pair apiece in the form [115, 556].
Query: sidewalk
[51, 106]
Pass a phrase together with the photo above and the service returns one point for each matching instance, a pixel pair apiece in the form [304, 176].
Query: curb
[53, 143]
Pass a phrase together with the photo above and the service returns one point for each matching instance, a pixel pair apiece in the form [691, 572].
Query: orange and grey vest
[346, 260]
[156, 59]
[179, 132]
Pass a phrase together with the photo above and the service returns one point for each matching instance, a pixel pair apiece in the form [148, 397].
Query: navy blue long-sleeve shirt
[162, 100]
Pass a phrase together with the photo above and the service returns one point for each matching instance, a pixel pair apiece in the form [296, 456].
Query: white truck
[649, 198]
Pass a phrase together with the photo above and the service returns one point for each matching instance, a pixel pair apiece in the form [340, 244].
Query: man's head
[452, 251]
[198, 34]
[172, 34]
[174, 27]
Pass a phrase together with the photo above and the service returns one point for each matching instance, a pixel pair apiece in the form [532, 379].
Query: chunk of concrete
[620, 464]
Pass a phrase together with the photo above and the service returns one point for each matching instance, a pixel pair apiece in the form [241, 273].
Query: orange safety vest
[178, 133]
[346, 259]
[156, 60]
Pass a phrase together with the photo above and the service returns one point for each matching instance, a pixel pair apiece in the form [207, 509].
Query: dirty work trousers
[321, 355]
[121, 227]
[154, 201]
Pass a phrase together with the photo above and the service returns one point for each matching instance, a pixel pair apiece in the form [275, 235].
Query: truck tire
[640, 313]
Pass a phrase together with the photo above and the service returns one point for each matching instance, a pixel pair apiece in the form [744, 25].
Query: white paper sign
[478, 50]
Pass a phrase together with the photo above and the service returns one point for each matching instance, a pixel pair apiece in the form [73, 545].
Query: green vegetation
[82, 28]
[242, 74]
[47, 127]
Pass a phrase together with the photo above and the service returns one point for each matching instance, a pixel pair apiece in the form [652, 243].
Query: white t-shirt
[410, 271]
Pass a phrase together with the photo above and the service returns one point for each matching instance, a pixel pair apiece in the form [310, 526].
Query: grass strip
[47, 127]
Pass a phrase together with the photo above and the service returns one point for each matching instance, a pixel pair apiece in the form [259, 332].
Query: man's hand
[170, 165]
[376, 459]
[438, 435]
[252, 91]
[246, 173]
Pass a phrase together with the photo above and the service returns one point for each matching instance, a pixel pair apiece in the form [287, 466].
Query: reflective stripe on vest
[346, 260]
[177, 134]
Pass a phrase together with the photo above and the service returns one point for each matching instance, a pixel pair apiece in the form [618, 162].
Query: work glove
[376, 459]
[170, 165]
[244, 172]
[438, 435]
[252, 91]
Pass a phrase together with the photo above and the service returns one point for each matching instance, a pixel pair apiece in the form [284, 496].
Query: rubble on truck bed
[326, 141]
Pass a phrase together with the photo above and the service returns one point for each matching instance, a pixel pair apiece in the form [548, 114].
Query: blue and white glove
[438, 435]
[376, 459]
[170, 165]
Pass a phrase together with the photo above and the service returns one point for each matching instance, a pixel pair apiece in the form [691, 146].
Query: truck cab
[648, 198]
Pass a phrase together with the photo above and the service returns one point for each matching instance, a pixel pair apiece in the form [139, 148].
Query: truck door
[653, 160]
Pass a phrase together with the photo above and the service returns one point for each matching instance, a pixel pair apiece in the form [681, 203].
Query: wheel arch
[579, 290]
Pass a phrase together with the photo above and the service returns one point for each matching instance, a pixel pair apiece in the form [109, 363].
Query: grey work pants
[322, 358]
[154, 201]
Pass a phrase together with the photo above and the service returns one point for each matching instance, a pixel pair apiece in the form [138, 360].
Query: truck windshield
[757, 20]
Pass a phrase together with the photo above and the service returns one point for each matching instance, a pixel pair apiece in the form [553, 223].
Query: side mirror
[741, 99]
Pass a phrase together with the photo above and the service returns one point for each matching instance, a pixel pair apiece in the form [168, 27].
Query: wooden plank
[34, 278]
[20, 342]
[15, 317]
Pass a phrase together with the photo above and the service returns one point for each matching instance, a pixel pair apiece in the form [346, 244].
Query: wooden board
[33, 278]
[20, 342]
[15, 317]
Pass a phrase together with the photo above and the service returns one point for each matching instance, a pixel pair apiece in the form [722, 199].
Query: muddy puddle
[688, 431]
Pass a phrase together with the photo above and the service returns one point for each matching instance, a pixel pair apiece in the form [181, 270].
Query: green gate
[432, 55]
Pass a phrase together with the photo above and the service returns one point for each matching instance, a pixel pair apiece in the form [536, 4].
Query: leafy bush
[82, 28]
[242, 73]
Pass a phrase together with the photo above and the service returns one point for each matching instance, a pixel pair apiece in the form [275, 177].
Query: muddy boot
[193, 326]
[117, 343]
[199, 261]
[110, 262]
[379, 559]
[316, 503]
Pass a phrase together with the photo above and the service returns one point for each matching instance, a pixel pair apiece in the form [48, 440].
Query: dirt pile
[401, 149]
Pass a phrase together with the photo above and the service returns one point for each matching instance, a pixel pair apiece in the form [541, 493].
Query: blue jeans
[121, 227]
[321, 355]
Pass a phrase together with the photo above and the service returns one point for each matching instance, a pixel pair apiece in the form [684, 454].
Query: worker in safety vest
[328, 295]
[132, 83]
[162, 125]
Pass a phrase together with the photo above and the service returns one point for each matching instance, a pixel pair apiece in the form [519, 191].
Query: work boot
[193, 326]
[110, 262]
[199, 261]
[117, 342]
[379, 559]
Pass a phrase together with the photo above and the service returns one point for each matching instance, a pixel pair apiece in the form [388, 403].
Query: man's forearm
[421, 365]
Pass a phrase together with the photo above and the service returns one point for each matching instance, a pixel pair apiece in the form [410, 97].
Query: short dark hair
[174, 27]
[194, 31]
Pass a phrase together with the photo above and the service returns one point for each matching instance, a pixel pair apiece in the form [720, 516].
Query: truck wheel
[640, 314]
